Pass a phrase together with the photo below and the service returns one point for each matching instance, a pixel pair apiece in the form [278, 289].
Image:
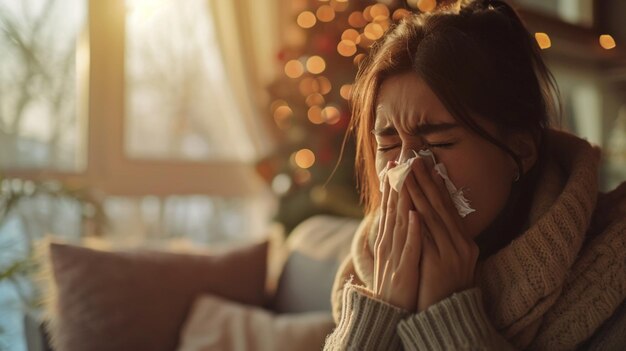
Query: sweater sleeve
[458, 322]
[366, 323]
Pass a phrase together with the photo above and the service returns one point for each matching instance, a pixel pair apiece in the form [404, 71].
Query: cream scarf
[549, 289]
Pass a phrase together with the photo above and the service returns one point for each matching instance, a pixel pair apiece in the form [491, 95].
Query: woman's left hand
[448, 255]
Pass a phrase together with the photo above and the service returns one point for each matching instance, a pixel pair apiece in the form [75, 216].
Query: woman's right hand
[397, 249]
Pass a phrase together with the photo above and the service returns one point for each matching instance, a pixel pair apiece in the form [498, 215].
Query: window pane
[40, 126]
[178, 104]
[197, 219]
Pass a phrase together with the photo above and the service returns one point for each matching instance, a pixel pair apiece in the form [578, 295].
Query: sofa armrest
[315, 247]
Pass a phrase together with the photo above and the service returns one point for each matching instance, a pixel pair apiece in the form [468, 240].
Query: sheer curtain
[247, 33]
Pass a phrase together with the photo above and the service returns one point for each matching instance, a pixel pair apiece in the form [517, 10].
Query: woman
[506, 242]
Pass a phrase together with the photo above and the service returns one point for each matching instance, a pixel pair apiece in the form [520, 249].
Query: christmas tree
[310, 103]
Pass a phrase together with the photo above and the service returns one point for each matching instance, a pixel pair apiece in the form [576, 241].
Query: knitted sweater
[550, 288]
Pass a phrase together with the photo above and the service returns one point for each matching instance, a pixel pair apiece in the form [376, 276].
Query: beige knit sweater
[549, 289]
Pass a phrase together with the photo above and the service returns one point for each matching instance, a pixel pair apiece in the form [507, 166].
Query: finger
[387, 221]
[412, 250]
[439, 201]
[401, 225]
[381, 229]
[385, 284]
[383, 208]
[432, 220]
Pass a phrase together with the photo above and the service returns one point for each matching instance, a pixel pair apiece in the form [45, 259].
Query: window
[131, 99]
[41, 121]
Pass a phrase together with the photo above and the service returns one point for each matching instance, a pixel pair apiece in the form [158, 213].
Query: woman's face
[407, 116]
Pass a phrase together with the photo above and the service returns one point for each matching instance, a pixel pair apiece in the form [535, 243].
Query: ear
[523, 144]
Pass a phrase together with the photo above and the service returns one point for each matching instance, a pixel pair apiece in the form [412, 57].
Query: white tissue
[398, 174]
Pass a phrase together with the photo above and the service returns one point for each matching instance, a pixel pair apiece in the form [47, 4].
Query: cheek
[381, 160]
[487, 187]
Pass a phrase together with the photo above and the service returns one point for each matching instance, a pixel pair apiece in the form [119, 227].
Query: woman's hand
[397, 249]
[448, 255]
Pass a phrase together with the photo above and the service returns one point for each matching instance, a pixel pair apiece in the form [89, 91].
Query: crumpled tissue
[398, 174]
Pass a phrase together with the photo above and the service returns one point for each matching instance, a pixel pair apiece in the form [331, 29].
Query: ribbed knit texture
[443, 326]
[379, 333]
[545, 290]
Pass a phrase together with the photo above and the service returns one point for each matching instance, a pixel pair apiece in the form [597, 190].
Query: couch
[298, 277]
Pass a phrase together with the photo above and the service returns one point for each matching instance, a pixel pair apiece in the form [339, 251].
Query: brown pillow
[138, 300]
[216, 324]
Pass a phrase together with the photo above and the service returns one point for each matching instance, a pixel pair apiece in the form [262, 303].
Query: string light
[543, 40]
[294, 69]
[315, 64]
[305, 158]
[306, 19]
[607, 42]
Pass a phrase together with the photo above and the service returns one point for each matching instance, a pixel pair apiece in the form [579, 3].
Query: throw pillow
[138, 300]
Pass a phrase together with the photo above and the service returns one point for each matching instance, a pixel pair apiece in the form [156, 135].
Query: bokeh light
[294, 69]
[325, 13]
[379, 12]
[304, 158]
[543, 40]
[358, 59]
[315, 115]
[345, 91]
[350, 34]
[301, 176]
[315, 64]
[306, 19]
[308, 86]
[331, 114]
[325, 85]
[356, 20]
[400, 14]
[607, 42]
[373, 31]
[315, 99]
[281, 184]
[426, 5]
[346, 48]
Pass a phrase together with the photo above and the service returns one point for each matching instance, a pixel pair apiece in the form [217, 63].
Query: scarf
[554, 284]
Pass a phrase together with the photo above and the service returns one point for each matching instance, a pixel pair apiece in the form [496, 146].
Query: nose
[409, 151]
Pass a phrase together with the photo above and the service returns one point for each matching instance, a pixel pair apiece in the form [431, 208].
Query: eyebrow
[423, 129]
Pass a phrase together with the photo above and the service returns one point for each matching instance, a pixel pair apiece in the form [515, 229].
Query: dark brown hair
[478, 58]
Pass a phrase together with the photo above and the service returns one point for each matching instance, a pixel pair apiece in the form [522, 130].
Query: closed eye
[389, 148]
